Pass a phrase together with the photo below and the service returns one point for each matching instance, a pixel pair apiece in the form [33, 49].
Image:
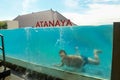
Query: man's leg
[95, 60]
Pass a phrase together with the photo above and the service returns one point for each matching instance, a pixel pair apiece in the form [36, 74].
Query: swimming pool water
[41, 46]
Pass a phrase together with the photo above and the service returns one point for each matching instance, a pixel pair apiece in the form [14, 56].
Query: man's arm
[59, 65]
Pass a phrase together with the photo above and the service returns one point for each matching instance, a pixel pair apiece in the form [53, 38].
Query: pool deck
[13, 77]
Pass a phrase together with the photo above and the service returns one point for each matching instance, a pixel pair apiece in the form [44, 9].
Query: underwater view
[41, 46]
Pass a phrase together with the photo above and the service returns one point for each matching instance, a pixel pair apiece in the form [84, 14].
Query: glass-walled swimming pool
[41, 46]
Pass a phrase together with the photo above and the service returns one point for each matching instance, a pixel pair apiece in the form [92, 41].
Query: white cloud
[7, 18]
[26, 4]
[95, 1]
[96, 15]
[71, 3]
[101, 0]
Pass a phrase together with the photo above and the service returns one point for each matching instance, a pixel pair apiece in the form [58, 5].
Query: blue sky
[81, 12]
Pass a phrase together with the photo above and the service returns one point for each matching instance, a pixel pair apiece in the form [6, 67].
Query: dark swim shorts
[85, 59]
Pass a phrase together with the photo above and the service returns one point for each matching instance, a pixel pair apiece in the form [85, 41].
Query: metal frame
[6, 72]
[115, 75]
[3, 51]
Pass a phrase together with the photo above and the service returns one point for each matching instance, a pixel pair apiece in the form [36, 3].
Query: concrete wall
[12, 24]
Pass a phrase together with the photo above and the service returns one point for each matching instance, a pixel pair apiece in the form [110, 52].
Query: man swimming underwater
[77, 61]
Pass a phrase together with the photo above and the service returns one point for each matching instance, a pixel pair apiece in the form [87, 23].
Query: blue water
[41, 45]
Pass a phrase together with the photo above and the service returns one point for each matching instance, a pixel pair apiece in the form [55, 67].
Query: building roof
[31, 19]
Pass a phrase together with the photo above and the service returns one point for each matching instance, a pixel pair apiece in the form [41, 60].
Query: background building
[8, 24]
[12, 24]
[46, 18]
[35, 19]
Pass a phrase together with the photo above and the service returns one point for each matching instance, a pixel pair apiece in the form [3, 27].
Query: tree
[3, 25]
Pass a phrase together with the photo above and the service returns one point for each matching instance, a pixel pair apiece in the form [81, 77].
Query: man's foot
[97, 51]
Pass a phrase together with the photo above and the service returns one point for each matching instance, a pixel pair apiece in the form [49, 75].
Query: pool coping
[59, 73]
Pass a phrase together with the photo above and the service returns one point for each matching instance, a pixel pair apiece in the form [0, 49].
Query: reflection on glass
[84, 50]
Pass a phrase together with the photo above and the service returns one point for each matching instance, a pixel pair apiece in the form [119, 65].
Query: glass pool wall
[41, 46]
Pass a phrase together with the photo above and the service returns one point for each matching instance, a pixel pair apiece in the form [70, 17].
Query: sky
[81, 12]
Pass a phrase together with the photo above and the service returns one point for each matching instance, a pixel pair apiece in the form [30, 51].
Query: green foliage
[3, 25]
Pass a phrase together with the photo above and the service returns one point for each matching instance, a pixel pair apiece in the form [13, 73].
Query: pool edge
[50, 71]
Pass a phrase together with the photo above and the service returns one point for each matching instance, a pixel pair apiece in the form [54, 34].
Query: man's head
[62, 53]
